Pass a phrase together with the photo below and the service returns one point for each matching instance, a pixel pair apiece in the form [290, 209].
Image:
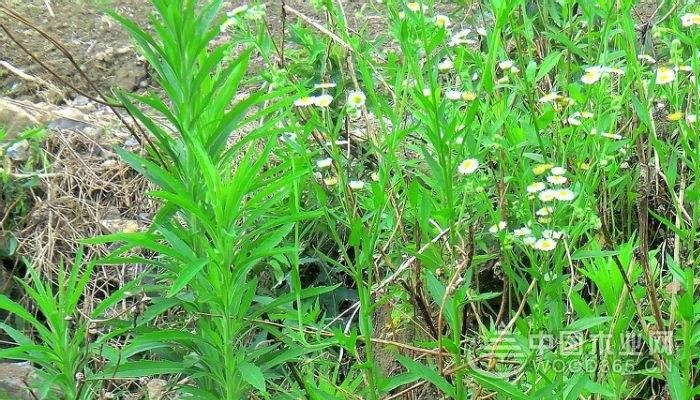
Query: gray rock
[18, 151]
[13, 381]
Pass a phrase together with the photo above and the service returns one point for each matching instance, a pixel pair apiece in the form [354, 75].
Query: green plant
[223, 217]
[57, 339]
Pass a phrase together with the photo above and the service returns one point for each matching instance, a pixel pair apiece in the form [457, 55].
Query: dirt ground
[99, 46]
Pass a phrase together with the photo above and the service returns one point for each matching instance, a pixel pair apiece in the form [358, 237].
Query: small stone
[19, 151]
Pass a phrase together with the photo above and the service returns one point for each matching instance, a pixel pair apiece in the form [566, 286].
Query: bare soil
[100, 47]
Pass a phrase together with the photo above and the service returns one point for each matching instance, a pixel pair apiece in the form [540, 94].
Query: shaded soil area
[99, 46]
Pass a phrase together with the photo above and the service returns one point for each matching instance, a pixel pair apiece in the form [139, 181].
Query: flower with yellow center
[503, 80]
[331, 181]
[564, 195]
[304, 101]
[550, 97]
[324, 163]
[520, 232]
[442, 21]
[591, 77]
[505, 64]
[495, 228]
[544, 211]
[453, 95]
[535, 187]
[674, 117]
[356, 185]
[690, 20]
[445, 65]
[540, 169]
[356, 99]
[468, 96]
[558, 170]
[415, 6]
[325, 85]
[665, 75]
[614, 136]
[468, 166]
[545, 244]
[547, 195]
[323, 100]
[557, 179]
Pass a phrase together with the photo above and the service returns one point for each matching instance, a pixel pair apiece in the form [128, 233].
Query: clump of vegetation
[489, 205]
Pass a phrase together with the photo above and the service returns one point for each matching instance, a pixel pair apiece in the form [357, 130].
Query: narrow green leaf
[190, 271]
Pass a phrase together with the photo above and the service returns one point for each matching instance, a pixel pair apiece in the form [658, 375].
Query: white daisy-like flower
[503, 80]
[427, 92]
[545, 244]
[557, 235]
[564, 195]
[557, 171]
[536, 187]
[453, 95]
[550, 97]
[442, 21]
[529, 241]
[557, 179]
[495, 228]
[690, 20]
[356, 99]
[614, 136]
[544, 211]
[547, 233]
[304, 101]
[665, 75]
[591, 77]
[520, 232]
[323, 100]
[415, 6]
[324, 163]
[325, 85]
[445, 65]
[356, 185]
[468, 166]
[691, 119]
[505, 64]
[547, 195]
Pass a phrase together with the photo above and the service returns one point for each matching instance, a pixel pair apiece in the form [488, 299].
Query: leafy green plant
[57, 339]
[224, 215]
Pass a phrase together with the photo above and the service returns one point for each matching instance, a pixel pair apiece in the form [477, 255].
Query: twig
[47, 3]
[30, 78]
